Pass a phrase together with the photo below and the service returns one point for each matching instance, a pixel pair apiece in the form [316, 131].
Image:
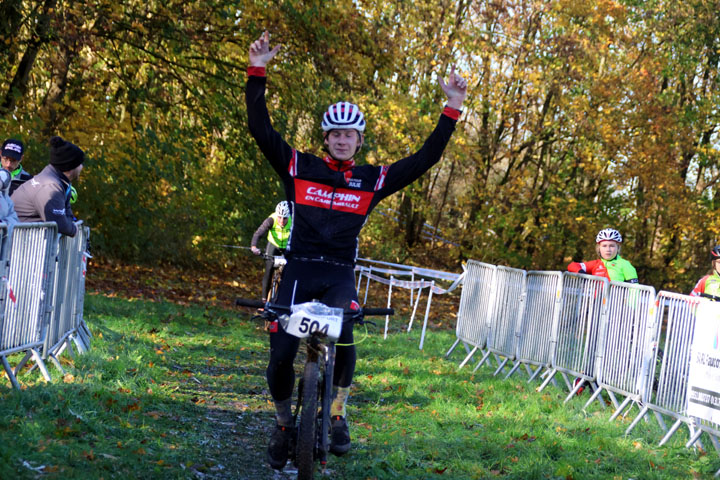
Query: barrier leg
[61, 349]
[575, 389]
[40, 364]
[467, 359]
[620, 408]
[550, 376]
[613, 399]
[387, 317]
[447, 355]
[513, 369]
[76, 340]
[693, 439]
[56, 362]
[660, 420]
[367, 289]
[85, 335]
[671, 432]
[22, 363]
[425, 320]
[595, 395]
[535, 375]
[417, 301]
[10, 373]
[634, 423]
[501, 367]
[482, 360]
[412, 280]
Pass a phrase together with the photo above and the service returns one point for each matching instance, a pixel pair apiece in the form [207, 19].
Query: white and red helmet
[608, 234]
[343, 115]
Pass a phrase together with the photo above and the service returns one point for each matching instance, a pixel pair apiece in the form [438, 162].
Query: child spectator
[710, 283]
[610, 265]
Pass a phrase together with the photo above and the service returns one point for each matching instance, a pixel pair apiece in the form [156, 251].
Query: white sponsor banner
[704, 375]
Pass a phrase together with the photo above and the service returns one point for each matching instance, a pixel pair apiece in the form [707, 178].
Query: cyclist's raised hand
[260, 53]
[455, 89]
[255, 250]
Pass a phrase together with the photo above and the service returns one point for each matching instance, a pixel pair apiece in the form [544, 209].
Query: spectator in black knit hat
[46, 197]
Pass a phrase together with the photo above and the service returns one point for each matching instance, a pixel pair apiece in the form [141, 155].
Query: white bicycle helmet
[343, 115]
[608, 234]
[282, 209]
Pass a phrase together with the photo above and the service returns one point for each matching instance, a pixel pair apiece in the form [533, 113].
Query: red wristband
[451, 112]
[256, 71]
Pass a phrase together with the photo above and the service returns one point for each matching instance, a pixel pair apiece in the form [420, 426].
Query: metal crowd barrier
[668, 393]
[42, 300]
[574, 337]
[28, 295]
[623, 340]
[66, 315]
[476, 303]
[618, 338]
[506, 315]
[542, 308]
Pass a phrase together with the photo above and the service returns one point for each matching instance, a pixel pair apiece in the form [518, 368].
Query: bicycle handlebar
[711, 297]
[246, 302]
[275, 308]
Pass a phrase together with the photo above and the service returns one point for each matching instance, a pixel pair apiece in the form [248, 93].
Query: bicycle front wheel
[307, 431]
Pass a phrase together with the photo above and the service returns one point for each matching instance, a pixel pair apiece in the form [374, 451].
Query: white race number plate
[312, 317]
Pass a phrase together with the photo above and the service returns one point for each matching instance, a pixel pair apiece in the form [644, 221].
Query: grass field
[171, 391]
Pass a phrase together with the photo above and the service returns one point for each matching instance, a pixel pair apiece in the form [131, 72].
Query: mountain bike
[320, 326]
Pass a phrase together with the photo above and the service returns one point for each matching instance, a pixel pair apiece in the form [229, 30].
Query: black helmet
[715, 253]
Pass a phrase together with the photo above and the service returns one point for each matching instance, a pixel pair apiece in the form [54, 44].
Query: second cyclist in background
[277, 226]
[610, 264]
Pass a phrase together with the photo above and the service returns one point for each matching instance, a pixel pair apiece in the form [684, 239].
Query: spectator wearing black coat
[46, 197]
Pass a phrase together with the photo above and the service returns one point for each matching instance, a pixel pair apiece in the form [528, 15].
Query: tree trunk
[19, 85]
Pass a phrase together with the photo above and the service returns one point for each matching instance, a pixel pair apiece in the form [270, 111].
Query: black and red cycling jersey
[331, 199]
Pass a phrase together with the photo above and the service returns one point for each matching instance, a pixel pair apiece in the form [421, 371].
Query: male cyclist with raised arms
[330, 200]
[610, 264]
[277, 226]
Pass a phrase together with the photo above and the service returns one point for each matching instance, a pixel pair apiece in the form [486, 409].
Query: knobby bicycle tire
[307, 431]
[274, 284]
